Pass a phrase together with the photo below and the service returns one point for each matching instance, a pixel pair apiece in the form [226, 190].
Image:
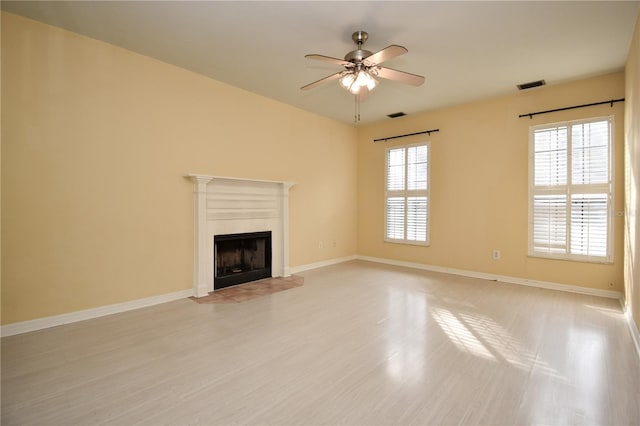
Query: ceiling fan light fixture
[353, 82]
[365, 79]
[347, 80]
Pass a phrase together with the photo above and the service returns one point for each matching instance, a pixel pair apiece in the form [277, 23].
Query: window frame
[407, 193]
[569, 189]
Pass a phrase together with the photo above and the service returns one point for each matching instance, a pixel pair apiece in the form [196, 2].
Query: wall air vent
[396, 115]
[532, 84]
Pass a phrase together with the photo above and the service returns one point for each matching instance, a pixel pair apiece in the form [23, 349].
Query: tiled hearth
[252, 290]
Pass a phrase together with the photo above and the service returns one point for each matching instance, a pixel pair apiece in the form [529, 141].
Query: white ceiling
[466, 50]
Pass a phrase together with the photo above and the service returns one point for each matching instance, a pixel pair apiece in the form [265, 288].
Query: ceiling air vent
[525, 86]
[396, 115]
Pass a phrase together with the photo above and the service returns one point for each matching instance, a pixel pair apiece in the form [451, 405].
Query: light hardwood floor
[358, 343]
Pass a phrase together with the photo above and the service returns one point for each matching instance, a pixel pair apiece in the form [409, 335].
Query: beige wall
[97, 140]
[632, 178]
[479, 177]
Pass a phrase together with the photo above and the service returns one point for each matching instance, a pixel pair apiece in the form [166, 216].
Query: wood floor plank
[359, 343]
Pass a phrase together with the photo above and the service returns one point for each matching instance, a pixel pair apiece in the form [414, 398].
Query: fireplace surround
[227, 205]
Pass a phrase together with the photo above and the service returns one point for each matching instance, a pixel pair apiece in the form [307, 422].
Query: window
[407, 195]
[570, 190]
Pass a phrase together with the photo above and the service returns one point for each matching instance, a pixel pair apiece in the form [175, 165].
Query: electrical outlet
[334, 243]
[495, 255]
[320, 245]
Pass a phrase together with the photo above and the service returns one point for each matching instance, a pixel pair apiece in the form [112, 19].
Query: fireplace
[240, 258]
[228, 205]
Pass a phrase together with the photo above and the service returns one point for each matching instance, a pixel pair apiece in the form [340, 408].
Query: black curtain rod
[531, 114]
[408, 134]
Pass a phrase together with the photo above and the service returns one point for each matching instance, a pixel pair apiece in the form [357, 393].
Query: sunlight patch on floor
[460, 334]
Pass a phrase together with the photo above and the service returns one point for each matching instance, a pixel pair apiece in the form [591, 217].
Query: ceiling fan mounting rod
[359, 37]
[358, 55]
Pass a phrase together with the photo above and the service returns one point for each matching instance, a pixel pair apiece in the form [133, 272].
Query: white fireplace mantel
[228, 205]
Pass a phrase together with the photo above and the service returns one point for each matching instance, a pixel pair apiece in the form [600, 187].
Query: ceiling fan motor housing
[356, 56]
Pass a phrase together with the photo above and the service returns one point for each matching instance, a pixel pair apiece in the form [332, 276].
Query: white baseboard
[52, 321]
[635, 334]
[300, 268]
[46, 322]
[42, 323]
[502, 278]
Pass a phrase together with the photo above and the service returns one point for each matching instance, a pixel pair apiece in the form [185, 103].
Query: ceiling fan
[361, 67]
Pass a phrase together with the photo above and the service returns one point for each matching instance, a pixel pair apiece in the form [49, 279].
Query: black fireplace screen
[240, 258]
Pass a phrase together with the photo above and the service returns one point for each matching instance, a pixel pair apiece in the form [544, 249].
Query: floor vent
[396, 115]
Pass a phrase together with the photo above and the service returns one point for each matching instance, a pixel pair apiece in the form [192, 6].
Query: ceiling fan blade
[385, 54]
[322, 81]
[401, 76]
[328, 59]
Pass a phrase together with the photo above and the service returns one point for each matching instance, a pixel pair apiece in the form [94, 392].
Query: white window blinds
[407, 194]
[570, 190]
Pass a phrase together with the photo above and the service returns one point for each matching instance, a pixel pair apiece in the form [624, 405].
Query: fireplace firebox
[240, 258]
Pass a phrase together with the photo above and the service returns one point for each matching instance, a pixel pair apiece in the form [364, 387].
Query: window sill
[409, 243]
[579, 259]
